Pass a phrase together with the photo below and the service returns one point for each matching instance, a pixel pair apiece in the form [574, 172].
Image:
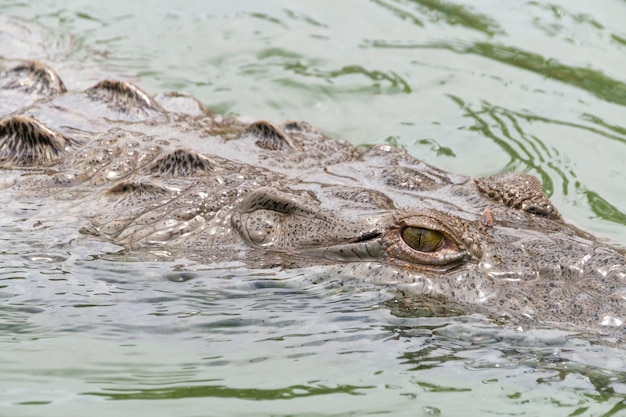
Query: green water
[474, 87]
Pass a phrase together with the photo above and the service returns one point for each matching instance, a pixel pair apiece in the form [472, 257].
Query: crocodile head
[163, 172]
[496, 244]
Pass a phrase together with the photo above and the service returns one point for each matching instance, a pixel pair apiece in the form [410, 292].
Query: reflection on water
[448, 12]
[472, 87]
[593, 81]
[530, 154]
[79, 329]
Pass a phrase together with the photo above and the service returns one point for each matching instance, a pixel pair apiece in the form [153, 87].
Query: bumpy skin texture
[163, 172]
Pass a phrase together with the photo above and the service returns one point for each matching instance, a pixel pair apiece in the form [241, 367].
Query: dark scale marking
[269, 136]
[277, 201]
[518, 191]
[410, 179]
[367, 236]
[25, 142]
[287, 195]
[137, 192]
[123, 97]
[295, 126]
[365, 197]
[298, 126]
[34, 77]
[182, 163]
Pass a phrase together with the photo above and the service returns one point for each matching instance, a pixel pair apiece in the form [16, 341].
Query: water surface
[474, 87]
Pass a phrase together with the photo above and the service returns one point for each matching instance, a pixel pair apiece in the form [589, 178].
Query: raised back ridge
[182, 162]
[26, 142]
[124, 97]
[269, 136]
[34, 77]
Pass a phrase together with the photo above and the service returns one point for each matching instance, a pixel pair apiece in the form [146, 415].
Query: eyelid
[448, 254]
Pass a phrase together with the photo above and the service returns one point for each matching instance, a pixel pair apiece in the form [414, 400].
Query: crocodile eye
[426, 241]
[423, 240]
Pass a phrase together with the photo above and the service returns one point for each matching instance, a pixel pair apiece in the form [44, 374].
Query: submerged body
[162, 172]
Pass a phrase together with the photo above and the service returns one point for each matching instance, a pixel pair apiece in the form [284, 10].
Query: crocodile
[163, 172]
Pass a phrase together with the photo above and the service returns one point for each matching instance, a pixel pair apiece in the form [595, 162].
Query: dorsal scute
[136, 195]
[33, 77]
[177, 102]
[182, 162]
[269, 136]
[26, 142]
[138, 187]
[123, 97]
[299, 126]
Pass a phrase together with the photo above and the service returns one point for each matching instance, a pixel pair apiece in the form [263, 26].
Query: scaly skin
[163, 172]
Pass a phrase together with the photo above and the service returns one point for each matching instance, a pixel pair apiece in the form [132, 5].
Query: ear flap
[518, 191]
[281, 221]
[25, 142]
[261, 218]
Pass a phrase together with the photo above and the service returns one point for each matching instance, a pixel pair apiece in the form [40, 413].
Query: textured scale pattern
[25, 142]
[163, 173]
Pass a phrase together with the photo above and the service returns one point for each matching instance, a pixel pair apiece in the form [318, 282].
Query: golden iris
[423, 240]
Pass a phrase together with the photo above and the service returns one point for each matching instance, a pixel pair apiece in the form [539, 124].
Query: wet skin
[163, 172]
